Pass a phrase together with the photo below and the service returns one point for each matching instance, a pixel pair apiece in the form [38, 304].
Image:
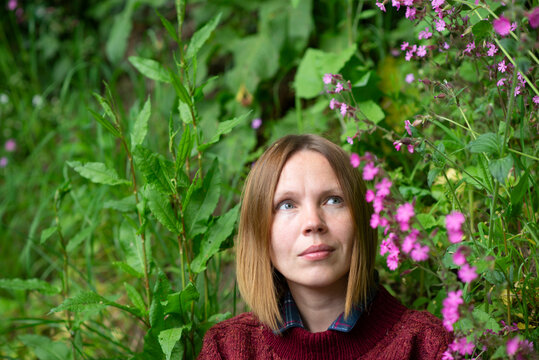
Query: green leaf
[218, 233]
[201, 36]
[224, 128]
[150, 68]
[126, 204]
[488, 321]
[500, 168]
[127, 269]
[156, 170]
[427, 221]
[140, 129]
[45, 348]
[179, 302]
[78, 239]
[135, 297]
[517, 194]
[372, 111]
[131, 245]
[185, 147]
[180, 90]
[432, 175]
[168, 339]
[105, 123]
[315, 63]
[170, 28]
[87, 300]
[489, 143]
[98, 173]
[29, 284]
[119, 34]
[203, 202]
[47, 233]
[482, 30]
[162, 210]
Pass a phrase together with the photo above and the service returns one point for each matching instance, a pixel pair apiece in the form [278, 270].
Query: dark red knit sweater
[387, 330]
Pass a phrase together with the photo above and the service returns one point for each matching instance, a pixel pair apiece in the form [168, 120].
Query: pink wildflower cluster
[9, 146]
[335, 83]
[518, 349]
[453, 224]
[395, 220]
[409, 142]
[450, 310]
[458, 346]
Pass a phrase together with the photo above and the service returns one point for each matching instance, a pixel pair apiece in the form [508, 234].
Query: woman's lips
[317, 252]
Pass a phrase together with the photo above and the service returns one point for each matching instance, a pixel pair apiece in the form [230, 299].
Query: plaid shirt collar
[292, 318]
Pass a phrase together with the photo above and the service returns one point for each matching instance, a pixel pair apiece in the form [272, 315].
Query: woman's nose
[313, 221]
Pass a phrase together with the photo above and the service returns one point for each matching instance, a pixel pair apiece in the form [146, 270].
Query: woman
[305, 266]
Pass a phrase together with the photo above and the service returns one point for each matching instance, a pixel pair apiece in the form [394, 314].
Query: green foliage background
[133, 128]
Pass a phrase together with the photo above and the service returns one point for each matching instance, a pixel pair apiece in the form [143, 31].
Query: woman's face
[312, 232]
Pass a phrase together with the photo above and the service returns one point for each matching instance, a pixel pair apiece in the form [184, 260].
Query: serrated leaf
[98, 173]
[223, 128]
[489, 143]
[162, 210]
[90, 300]
[150, 68]
[201, 36]
[29, 284]
[500, 168]
[488, 321]
[78, 239]
[482, 30]
[185, 147]
[47, 233]
[314, 64]
[372, 111]
[156, 170]
[168, 339]
[135, 297]
[218, 233]
[203, 202]
[140, 128]
[45, 348]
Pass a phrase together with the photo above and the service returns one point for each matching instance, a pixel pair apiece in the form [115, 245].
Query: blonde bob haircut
[261, 285]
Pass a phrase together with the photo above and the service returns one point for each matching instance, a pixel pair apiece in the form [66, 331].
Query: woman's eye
[285, 205]
[334, 200]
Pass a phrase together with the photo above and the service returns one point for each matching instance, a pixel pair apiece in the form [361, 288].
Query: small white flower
[3, 99]
[37, 101]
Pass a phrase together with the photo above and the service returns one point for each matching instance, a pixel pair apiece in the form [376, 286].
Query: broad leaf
[315, 63]
[162, 210]
[180, 301]
[150, 68]
[500, 168]
[372, 111]
[126, 204]
[168, 339]
[135, 297]
[140, 128]
[29, 284]
[224, 128]
[201, 36]
[156, 170]
[482, 30]
[98, 173]
[131, 245]
[90, 300]
[218, 233]
[489, 143]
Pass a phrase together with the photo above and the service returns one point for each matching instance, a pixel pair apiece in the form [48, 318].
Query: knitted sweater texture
[387, 330]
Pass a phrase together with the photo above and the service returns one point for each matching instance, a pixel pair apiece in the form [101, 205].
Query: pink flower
[256, 123]
[409, 78]
[458, 257]
[446, 46]
[513, 26]
[492, 49]
[447, 355]
[327, 79]
[354, 160]
[349, 140]
[338, 88]
[12, 5]
[393, 261]
[502, 26]
[404, 213]
[369, 171]
[410, 148]
[396, 3]
[422, 51]
[344, 108]
[383, 187]
[500, 82]
[3, 161]
[375, 220]
[378, 204]
[410, 241]
[10, 145]
[512, 346]
[440, 25]
[453, 224]
[407, 125]
[517, 90]
[397, 144]
[408, 55]
[332, 104]
[404, 45]
[425, 34]
[450, 310]
[501, 66]
[467, 273]
[420, 253]
[536, 99]
[408, 2]
[469, 48]
[369, 196]
[381, 6]
[463, 346]
[437, 3]
[533, 17]
[410, 13]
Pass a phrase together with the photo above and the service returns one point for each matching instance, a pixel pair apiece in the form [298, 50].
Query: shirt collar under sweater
[292, 318]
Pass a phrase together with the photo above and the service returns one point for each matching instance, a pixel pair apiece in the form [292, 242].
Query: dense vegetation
[128, 127]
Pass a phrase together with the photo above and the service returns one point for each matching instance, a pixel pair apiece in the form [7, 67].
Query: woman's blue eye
[334, 200]
[285, 205]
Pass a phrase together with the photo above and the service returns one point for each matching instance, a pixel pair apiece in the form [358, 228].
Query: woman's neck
[319, 307]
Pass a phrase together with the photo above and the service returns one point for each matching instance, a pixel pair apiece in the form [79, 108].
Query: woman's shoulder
[244, 321]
